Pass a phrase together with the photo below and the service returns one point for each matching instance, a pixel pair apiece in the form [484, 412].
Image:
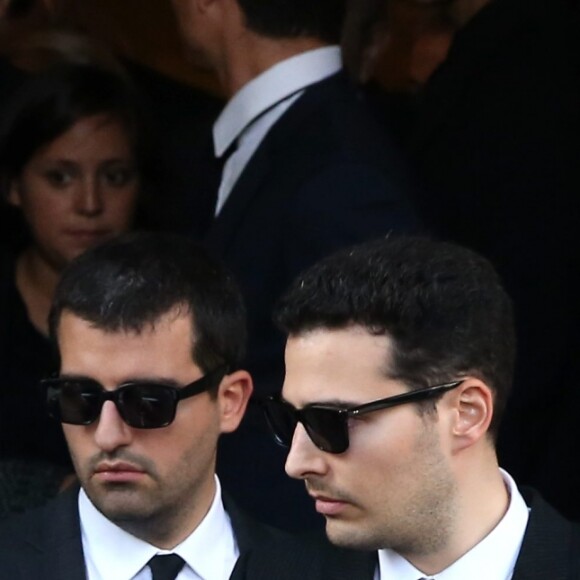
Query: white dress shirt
[256, 107]
[210, 551]
[494, 558]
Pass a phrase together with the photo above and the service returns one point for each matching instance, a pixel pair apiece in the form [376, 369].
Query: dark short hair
[322, 19]
[128, 283]
[442, 305]
[49, 103]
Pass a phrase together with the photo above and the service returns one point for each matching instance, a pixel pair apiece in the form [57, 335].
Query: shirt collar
[494, 557]
[118, 555]
[270, 87]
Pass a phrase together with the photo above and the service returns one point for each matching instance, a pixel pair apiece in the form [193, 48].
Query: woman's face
[79, 190]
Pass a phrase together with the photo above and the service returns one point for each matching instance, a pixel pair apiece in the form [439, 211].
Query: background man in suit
[150, 334]
[398, 364]
[306, 172]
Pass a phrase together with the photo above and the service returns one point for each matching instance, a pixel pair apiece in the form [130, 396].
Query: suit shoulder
[38, 524]
[551, 542]
[308, 556]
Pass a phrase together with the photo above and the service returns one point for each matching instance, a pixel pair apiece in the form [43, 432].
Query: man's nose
[304, 458]
[112, 432]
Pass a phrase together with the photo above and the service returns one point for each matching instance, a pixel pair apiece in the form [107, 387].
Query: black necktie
[165, 567]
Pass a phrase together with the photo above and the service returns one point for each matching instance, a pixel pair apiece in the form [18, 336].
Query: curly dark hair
[442, 306]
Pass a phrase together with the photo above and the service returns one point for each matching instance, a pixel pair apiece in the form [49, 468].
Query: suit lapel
[266, 157]
[56, 540]
[244, 191]
[551, 544]
[250, 536]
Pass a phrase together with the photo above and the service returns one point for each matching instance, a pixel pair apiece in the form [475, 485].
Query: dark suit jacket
[551, 546]
[323, 178]
[46, 543]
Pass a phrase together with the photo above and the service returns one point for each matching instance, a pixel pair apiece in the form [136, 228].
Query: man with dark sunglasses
[399, 362]
[150, 334]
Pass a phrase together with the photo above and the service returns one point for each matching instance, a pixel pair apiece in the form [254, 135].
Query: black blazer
[324, 177]
[46, 543]
[551, 546]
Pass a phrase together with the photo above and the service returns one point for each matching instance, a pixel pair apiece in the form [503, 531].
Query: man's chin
[120, 502]
[347, 535]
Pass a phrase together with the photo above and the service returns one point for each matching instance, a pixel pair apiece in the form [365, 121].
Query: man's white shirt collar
[273, 86]
[210, 551]
[494, 558]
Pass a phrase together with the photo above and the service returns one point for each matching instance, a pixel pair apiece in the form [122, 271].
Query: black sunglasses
[327, 426]
[144, 405]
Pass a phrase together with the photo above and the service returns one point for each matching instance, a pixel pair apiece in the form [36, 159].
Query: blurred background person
[391, 48]
[183, 113]
[72, 158]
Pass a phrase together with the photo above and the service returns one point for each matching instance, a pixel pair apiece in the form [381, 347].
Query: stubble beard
[420, 523]
[138, 508]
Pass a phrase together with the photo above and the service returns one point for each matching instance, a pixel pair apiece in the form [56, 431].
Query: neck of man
[171, 526]
[249, 55]
[482, 500]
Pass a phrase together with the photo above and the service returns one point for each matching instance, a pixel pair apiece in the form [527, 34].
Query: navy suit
[551, 545]
[323, 178]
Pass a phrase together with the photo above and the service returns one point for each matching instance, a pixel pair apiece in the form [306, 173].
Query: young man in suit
[150, 334]
[398, 365]
[306, 171]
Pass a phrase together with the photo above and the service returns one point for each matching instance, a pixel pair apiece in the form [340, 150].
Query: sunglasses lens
[147, 406]
[327, 428]
[74, 402]
[282, 420]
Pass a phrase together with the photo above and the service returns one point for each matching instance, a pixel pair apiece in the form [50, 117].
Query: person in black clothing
[72, 149]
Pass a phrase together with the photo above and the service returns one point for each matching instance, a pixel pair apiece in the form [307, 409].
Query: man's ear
[472, 406]
[233, 396]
